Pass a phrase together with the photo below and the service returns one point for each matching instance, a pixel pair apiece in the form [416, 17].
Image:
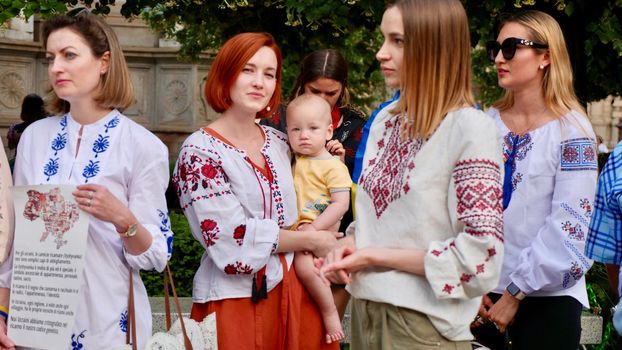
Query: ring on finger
[88, 204]
[91, 194]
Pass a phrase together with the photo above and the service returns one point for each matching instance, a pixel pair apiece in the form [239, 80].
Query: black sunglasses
[508, 47]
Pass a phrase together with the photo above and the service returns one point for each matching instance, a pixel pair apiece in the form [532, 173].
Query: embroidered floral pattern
[578, 154]
[523, 146]
[238, 234]
[583, 219]
[574, 232]
[585, 204]
[479, 197]
[112, 123]
[51, 168]
[101, 144]
[165, 228]
[575, 272]
[388, 172]
[123, 322]
[90, 170]
[209, 230]
[59, 143]
[238, 269]
[76, 343]
[466, 277]
[193, 171]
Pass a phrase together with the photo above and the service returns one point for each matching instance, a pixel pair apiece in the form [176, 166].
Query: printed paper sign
[49, 247]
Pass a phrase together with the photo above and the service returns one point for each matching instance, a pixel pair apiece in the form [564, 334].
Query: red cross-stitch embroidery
[388, 172]
[478, 191]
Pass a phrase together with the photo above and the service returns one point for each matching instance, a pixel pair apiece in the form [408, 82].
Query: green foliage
[599, 296]
[185, 261]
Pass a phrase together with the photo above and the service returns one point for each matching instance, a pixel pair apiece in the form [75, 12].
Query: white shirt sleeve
[236, 242]
[555, 259]
[147, 201]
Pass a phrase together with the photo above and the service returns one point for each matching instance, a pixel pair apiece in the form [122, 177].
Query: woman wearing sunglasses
[549, 182]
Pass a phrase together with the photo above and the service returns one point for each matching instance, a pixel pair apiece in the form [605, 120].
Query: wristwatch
[515, 291]
[131, 231]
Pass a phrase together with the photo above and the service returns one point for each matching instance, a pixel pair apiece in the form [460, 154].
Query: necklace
[510, 122]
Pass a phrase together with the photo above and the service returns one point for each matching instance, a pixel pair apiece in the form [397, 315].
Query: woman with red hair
[233, 178]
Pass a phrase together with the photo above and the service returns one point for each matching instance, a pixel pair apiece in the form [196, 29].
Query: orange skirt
[288, 320]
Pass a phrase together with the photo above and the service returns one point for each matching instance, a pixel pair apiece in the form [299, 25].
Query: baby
[322, 185]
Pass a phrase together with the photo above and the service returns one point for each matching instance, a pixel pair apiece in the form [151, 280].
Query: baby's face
[308, 130]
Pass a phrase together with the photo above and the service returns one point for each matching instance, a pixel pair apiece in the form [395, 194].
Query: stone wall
[605, 116]
[169, 98]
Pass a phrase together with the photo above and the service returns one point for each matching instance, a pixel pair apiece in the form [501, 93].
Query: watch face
[513, 289]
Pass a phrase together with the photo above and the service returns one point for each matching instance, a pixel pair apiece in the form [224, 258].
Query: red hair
[228, 64]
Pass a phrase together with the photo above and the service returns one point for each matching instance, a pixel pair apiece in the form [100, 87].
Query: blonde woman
[550, 180]
[428, 237]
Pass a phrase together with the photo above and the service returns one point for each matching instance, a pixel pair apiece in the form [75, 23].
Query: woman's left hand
[503, 311]
[336, 148]
[102, 204]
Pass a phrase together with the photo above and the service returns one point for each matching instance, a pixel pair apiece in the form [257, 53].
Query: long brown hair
[436, 68]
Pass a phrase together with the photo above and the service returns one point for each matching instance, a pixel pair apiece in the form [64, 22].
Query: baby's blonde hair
[307, 101]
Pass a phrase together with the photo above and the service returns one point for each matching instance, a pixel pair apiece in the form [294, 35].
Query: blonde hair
[310, 101]
[436, 68]
[115, 85]
[557, 86]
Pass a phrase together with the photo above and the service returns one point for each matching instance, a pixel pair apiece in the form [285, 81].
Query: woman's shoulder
[470, 118]
[576, 125]
[142, 137]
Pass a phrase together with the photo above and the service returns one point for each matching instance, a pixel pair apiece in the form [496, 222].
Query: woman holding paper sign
[121, 173]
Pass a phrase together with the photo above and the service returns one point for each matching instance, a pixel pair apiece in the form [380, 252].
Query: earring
[541, 66]
[268, 108]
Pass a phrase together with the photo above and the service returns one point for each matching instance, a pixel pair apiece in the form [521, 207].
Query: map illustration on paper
[57, 214]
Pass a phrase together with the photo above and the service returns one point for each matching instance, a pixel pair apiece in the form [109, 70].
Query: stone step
[591, 325]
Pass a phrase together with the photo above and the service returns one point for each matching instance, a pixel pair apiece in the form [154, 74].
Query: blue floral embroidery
[75, 341]
[51, 168]
[123, 322]
[165, 227]
[90, 170]
[59, 142]
[112, 123]
[101, 144]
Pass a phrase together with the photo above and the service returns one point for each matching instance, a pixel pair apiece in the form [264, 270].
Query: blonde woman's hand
[503, 311]
[98, 201]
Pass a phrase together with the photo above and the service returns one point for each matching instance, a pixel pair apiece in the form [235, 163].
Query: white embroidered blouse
[442, 195]
[235, 211]
[130, 162]
[547, 219]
